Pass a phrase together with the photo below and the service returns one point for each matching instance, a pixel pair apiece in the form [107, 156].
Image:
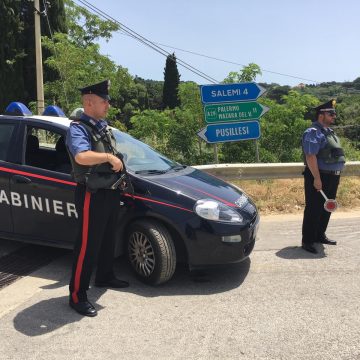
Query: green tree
[154, 90]
[246, 74]
[171, 83]
[80, 67]
[183, 139]
[282, 127]
[153, 127]
[52, 20]
[356, 83]
[189, 94]
[17, 54]
[276, 92]
[78, 59]
[84, 27]
[11, 53]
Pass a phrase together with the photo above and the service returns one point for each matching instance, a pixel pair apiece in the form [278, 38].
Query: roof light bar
[53, 110]
[17, 109]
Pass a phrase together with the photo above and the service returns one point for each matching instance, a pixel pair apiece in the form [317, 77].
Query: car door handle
[19, 179]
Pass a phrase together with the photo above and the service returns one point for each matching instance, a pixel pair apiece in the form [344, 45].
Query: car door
[8, 132]
[43, 208]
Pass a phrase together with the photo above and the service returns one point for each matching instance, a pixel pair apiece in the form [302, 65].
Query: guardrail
[267, 171]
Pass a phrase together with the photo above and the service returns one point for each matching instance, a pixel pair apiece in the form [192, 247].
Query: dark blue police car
[177, 213]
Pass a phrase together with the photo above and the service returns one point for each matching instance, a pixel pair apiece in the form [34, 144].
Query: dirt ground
[286, 196]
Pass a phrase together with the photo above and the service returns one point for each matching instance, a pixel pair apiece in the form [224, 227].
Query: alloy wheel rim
[141, 254]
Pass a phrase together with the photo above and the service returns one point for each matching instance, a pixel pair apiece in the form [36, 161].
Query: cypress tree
[171, 83]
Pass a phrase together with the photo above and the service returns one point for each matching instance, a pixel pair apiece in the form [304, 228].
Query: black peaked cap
[100, 89]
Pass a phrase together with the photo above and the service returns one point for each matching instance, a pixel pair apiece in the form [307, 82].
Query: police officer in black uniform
[91, 146]
[324, 161]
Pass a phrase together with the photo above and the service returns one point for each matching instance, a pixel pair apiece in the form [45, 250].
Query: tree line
[165, 114]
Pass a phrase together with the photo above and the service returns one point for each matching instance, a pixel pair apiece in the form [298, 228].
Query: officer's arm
[312, 164]
[90, 158]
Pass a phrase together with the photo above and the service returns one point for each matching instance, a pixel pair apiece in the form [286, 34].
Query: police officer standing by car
[96, 170]
[324, 161]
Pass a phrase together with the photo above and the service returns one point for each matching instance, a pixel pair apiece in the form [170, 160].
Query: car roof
[53, 119]
[56, 120]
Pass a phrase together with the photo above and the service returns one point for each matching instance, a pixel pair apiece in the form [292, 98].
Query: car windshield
[141, 158]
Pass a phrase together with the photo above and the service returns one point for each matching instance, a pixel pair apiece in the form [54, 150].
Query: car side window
[46, 149]
[6, 131]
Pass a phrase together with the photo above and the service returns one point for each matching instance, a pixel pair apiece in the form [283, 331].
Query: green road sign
[228, 112]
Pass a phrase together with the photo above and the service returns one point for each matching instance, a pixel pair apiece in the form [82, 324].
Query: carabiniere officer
[91, 143]
[324, 160]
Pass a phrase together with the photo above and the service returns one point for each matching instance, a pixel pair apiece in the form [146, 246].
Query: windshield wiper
[151, 171]
[177, 167]
[156, 171]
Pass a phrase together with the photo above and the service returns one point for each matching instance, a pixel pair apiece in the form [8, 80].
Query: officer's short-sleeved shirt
[313, 141]
[78, 139]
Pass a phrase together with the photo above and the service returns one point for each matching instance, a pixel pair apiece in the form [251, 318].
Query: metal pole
[257, 151]
[216, 158]
[38, 54]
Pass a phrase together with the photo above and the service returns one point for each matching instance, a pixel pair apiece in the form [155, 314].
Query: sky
[309, 41]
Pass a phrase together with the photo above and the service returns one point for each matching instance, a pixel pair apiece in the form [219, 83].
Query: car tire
[151, 251]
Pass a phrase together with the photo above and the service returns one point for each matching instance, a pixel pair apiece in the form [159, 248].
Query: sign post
[220, 93]
[225, 132]
[232, 112]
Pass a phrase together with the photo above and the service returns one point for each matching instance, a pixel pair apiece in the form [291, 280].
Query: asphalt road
[282, 303]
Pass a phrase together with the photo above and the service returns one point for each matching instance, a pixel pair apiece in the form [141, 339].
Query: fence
[267, 171]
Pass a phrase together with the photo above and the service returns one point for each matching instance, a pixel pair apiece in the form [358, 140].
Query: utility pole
[40, 103]
[216, 156]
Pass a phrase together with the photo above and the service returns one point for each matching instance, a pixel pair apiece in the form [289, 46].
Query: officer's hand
[317, 184]
[115, 162]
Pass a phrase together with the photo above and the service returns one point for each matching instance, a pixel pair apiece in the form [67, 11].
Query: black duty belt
[331, 172]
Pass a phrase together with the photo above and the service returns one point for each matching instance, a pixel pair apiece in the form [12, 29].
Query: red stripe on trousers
[80, 262]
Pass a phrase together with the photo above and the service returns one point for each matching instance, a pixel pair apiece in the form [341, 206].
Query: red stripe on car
[157, 202]
[19, 172]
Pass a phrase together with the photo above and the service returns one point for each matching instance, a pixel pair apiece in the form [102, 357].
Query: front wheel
[151, 251]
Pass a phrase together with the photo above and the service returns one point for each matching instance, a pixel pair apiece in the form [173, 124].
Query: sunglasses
[331, 113]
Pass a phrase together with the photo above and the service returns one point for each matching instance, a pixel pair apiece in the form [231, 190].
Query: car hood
[197, 185]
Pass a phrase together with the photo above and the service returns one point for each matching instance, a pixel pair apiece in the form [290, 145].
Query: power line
[126, 32]
[146, 41]
[236, 63]
[231, 62]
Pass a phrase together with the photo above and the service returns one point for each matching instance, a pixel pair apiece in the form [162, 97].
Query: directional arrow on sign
[234, 112]
[245, 130]
[221, 93]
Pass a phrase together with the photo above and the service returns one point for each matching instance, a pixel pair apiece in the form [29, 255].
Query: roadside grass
[286, 196]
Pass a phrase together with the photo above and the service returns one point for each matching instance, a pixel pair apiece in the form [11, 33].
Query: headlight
[214, 210]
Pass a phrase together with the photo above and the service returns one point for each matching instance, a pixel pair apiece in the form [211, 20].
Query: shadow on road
[49, 315]
[296, 252]
[207, 281]
[185, 282]
[53, 313]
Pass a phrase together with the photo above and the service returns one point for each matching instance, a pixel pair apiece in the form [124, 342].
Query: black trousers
[316, 218]
[95, 244]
